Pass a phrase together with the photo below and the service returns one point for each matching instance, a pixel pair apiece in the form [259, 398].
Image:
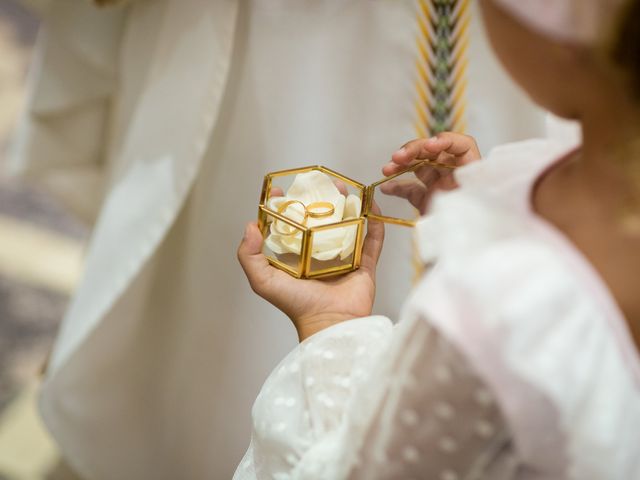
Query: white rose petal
[348, 242]
[312, 187]
[274, 244]
[352, 207]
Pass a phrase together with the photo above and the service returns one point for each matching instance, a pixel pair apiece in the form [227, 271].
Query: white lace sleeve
[365, 400]
[437, 419]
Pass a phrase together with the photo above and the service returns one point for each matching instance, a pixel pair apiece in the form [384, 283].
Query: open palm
[313, 305]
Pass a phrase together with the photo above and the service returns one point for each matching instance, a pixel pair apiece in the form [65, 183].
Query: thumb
[372, 244]
[253, 262]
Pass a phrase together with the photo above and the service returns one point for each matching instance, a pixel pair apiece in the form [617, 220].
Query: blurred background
[40, 252]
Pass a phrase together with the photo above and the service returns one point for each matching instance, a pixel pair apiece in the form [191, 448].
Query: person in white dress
[156, 120]
[516, 355]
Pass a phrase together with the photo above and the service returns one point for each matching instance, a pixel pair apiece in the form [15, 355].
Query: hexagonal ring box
[312, 218]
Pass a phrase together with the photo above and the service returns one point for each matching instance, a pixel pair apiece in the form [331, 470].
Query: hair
[625, 46]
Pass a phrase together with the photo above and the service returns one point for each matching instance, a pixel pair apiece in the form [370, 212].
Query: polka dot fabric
[441, 424]
[435, 418]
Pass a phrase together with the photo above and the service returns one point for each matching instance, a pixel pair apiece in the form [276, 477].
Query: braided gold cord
[442, 44]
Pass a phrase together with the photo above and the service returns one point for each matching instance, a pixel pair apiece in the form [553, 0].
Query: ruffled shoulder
[492, 199]
[509, 166]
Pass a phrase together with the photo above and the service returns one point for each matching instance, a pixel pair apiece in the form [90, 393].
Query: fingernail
[432, 140]
[245, 235]
[401, 151]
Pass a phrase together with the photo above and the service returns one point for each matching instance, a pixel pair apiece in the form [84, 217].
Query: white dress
[511, 359]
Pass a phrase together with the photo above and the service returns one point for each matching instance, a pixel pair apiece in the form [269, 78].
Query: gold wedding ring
[282, 208]
[328, 206]
[326, 209]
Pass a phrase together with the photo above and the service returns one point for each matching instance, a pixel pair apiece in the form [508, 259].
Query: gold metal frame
[263, 213]
[367, 192]
[357, 249]
[371, 188]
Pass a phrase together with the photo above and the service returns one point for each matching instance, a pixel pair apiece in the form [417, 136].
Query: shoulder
[512, 162]
[492, 202]
[508, 273]
[540, 336]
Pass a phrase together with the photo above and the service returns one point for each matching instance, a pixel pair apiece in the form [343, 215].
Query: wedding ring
[283, 208]
[291, 230]
[326, 210]
[328, 206]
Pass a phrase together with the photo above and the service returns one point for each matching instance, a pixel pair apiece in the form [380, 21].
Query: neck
[611, 152]
[608, 127]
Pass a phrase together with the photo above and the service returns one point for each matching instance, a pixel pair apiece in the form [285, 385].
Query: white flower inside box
[312, 218]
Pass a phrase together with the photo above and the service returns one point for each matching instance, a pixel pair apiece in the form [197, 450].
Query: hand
[447, 148]
[313, 305]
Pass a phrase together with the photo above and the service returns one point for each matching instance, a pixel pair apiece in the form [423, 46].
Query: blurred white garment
[160, 118]
[511, 360]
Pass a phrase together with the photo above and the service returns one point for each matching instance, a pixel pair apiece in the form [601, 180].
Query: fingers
[428, 174]
[255, 265]
[454, 144]
[412, 190]
[414, 150]
[463, 147]
[341, 186]
[277, 192]
[372, 244]
[392, 168]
